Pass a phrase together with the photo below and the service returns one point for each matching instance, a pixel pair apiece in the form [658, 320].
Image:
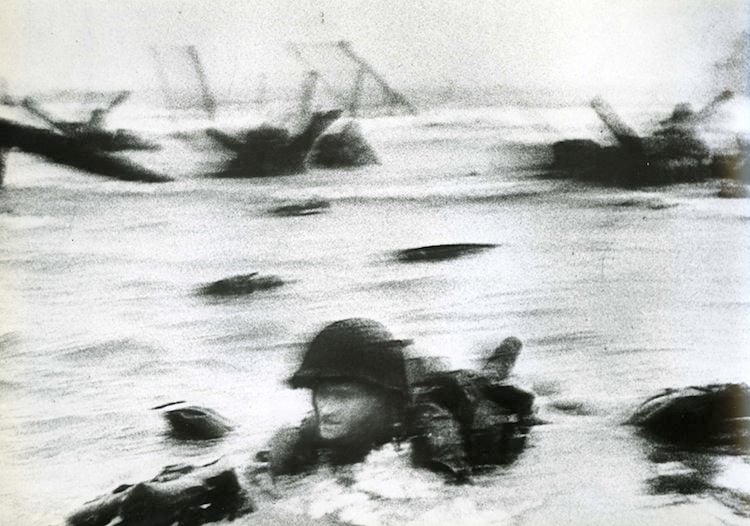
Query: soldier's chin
[332, 432]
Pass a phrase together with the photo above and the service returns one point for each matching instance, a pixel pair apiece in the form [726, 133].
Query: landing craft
[674, 153]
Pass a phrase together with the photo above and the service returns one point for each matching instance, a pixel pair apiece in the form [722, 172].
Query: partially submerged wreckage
[86, 145]
[271, 151]
[264, 151]
[72, 151]
[93, 130]
[346, 146]
[674, 153]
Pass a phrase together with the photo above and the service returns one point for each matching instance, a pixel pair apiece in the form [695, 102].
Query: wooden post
[624, 134]
[77, 153]
[165, 87]
[307, 97]
[294, 49]
[31, 106]
[395, 97]
[260, 96]
[359, 80]
[209, 101]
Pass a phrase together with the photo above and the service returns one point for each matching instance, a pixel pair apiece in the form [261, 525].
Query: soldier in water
[455, 422]
[361, 400]
[355, 370]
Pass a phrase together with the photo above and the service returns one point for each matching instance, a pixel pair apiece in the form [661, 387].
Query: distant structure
[93, 130]
[271, 151]
[346, 146]
[184, 80]
[73, 151]
[673, 153]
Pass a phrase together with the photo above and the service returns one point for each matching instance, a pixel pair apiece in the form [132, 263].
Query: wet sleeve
[513, 399]
[291, 450]
[437, 441]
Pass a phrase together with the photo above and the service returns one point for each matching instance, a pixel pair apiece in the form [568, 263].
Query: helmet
[354, 349]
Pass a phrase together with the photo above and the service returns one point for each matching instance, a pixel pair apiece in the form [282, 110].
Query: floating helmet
[354, 349]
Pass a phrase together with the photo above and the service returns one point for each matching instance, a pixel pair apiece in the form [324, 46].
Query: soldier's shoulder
[291, 449]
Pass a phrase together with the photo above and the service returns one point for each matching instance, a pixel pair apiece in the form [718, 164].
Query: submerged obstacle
[92, 131]
[73, 152]
[674, 153]
[269, 151]
[711, 415]
[440, 252]
[348, 147]
[241, 284]
[182, 495]
[304, 208]
[342, 149]
[195, 423]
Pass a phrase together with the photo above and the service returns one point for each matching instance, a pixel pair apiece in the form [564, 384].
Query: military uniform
[455, 421]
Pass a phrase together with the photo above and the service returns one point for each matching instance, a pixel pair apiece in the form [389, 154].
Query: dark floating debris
[270, 151]
[674, 153]
[646, 203]
[195, 423]
[305, 208]
[241, 284]
[572, 407]
[344, 148]
[92, 130]
[712, 415]
[181, 495]
[74, 152]
[441, 252]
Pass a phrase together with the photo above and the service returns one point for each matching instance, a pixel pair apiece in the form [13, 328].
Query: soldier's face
[348, 411]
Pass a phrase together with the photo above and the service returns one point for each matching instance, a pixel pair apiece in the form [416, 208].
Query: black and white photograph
[374, 262]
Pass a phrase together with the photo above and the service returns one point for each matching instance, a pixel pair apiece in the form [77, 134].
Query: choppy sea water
[616, 295]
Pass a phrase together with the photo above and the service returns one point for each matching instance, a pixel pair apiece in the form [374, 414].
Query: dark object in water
[181, 495]
[92, 131]
[242, 284]
[712, 415]
[441, 252]
[268, 151]
[196, 423]
[646, 203]
[305, 208]
[343, 149]
[73, 152]
[674, 153]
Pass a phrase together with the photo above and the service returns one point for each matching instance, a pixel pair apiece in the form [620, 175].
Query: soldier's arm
[291, 450]
[437, 441]
[512, 398]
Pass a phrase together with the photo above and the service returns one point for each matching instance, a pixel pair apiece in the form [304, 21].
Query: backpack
[491, 416]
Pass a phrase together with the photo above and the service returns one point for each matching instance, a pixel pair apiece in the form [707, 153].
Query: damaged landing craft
[674, 153]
